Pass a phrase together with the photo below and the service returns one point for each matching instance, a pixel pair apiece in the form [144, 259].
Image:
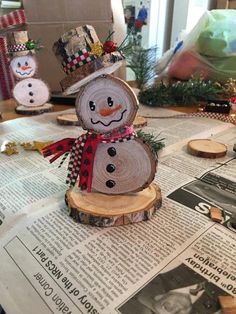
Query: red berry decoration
[109, 46]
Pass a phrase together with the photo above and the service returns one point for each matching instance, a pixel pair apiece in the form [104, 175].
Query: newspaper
[180, 261]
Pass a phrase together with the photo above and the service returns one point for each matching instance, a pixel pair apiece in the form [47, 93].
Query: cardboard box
[48, 20]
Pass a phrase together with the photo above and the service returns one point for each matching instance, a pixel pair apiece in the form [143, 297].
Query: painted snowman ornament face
[23, 66]
[105, 104]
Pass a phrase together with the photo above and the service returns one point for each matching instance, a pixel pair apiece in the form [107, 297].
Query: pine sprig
[181, 93]
[153, 141]
[142, 62]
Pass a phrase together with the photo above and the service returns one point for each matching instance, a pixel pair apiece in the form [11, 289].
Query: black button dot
[29, 85]
[89, 150]
[87, 162]
[93, 135]
[31, 101]
[85, 173]
[83, 186]
[111, 151]
[59, 147]
[31, 93]
[110, 184]
[110, 168]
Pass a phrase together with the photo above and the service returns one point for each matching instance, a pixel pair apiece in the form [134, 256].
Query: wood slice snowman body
[31, 94]
[123, 165]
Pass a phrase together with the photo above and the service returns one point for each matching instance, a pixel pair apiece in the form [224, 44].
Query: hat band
[77, 60]
[17, 48]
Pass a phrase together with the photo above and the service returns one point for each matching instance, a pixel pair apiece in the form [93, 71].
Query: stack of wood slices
[110, 169]
[31, 94]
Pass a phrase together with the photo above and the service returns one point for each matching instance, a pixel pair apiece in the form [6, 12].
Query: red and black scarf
[82, 153]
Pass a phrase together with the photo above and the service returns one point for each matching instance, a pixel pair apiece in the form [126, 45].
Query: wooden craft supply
[216, 214]
[206, 148]
[139, 122]
[68, 119]
[105, 210]
[47, 107]
[228, 304]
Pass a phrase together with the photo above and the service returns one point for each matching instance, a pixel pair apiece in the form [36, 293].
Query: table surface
[7, 109]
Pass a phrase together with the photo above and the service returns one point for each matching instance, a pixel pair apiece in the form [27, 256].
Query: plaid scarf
[82, 153]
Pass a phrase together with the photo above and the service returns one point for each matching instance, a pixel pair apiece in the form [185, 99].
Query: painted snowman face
[105, 104]
[23, 66]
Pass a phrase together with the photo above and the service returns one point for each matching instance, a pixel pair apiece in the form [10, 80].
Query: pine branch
[181, 93]
[153, 141]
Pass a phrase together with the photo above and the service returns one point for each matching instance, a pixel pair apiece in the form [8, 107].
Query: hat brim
[106, 64]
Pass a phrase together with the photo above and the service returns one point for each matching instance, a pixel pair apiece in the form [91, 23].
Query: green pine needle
[181, 93]
[153, 141]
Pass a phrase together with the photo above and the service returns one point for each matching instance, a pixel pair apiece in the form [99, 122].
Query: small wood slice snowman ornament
[122, 165]
[31, 94]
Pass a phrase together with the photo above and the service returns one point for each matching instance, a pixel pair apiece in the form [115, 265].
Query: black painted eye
[26, 63]
[92, 105]
[18, 64]
[110, 101]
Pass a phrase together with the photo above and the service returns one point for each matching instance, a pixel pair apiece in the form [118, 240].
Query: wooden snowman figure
[30, 93]
[110, 169]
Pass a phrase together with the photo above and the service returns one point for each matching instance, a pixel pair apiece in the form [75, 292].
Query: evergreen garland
[181, 93]
[153, 141]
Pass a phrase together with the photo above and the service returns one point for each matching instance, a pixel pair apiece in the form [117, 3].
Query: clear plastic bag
[208, 50]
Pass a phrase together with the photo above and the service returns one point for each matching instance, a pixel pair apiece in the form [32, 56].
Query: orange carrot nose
[25, 67]
[108, 111]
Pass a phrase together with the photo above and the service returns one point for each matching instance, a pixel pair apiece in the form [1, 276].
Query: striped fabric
[16, 48]
[77, 60]
[213, 115]
[14, 18]
[6, 77]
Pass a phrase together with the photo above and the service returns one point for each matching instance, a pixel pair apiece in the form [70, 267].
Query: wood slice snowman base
[103, 210]
[68, 119]
[34, 110]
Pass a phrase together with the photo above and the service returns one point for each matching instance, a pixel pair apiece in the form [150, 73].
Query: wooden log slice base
[139, 122]
[30, 111]
[206, 148]
[68, 119]
[103, 210]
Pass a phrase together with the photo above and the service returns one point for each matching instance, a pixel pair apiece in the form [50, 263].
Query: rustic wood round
[206, 148]
[139, 122]
[34, 110]
[68, 119]
[103, 210]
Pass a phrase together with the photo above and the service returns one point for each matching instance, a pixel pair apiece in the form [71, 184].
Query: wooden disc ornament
[47, 107]
[103, 210]
[139, 122]
[206, 148]
[68, 119]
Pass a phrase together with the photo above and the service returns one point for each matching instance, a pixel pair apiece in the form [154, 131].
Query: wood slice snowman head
[23, 66]
[105, 104]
